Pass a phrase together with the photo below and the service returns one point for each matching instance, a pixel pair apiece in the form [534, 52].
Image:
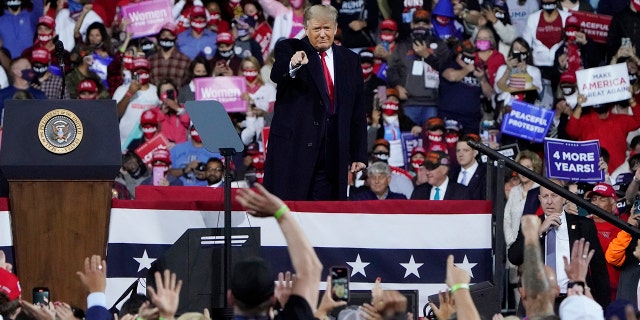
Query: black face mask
[148, 48]
[14, 5]
[382, 156]
[421, 34]
[166, 44]
[225, 54]
[40, 69]
[632, 78]
[548, 7]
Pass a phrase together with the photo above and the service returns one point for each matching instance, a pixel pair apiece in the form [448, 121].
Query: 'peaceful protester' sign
[527, 121]
[604, 84]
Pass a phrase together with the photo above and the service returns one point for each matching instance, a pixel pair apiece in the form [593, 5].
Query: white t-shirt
[65, 26]
[264, 96]
[519, 14]
[140, 101]
[4, 81]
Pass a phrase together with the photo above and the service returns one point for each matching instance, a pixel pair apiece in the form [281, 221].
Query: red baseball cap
[225, 37]
[87, 85]
[572, 22]
[198, 11]
[9, 284]
[389, 24]
[149, 117]
[603, 189]
[47, 21]
[40, 55]
[568, 77]
[171, 27]
[418, 149]
[141, 63]
[161, 155]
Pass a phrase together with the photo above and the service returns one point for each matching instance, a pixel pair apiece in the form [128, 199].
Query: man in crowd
[469, 172]
[45, 34]
[87, 90]
[50, 84]
[556, 233]
[17, 25]
[439, 186]
[22, 76]
[225, 62]
[215, 173]
[318, 132]
[377, 187]
[197, 39]
[187, 156]
[169, 63]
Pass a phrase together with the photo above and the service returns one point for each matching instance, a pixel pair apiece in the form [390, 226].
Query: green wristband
[284, 209]
[458, 286]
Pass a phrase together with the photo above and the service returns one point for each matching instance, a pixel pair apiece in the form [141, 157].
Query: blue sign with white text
[573, 160]
[527, 121]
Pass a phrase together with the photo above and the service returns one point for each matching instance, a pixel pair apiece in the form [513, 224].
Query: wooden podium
[60, 157]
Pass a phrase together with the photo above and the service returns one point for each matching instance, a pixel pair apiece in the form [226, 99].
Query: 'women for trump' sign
[226, 90]
[147, 17]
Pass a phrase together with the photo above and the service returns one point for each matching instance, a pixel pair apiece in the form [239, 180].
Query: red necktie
[327, 78]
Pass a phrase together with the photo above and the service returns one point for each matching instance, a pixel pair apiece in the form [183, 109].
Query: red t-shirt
[549, 33]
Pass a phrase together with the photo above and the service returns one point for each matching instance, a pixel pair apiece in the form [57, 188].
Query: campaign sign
[147, 17]
[265, 140]
[409, 141]
[226, 90]
[573, 160]
[595, 26]
[262, 35]
[527, 121]
[145, 150]
[604, 84]
[510, 151]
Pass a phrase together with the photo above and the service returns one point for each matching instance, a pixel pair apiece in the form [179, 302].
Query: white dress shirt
[470, 172]
[443, 190]
[563, 249]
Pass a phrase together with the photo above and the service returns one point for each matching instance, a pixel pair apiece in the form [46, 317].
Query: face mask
[421, 33]
[127, 61]
[483, 45]
[195, 136]
[28, 75]
[468, 60]
[568, 90]
[366, 72]
[387, 37]
[40, 69]
[144, 77]
[571, 35]
[500, 15]
[97, 45]
[14, 5]
[415, 164]
[548, 7]
[442, 20]
[632, 78]
[42, 37]
[198, 26]
[451, 138]
[382, 156]
[250, 75]
[296, 4]
[149, 131]
[390, 119]
[148, 48]
[242, 32]
[225, 54]
[390, 108]
[166, 44]
[571, 99]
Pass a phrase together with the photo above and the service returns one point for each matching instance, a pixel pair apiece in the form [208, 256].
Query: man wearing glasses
[215, 173]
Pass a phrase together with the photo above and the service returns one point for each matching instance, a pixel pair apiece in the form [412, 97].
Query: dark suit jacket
[578, 227]
[364, 193]
[477, 185]
[455, 191]
[98, 313]
[300, 120]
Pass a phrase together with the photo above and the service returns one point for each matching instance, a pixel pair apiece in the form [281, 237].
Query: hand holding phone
[41, 296]
[340, 283]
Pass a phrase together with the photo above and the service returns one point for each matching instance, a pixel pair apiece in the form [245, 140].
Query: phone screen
[636, 208]
[41, 296]
[158, 174]
[340, 283]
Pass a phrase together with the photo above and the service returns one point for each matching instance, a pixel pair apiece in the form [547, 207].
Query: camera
[201, 166]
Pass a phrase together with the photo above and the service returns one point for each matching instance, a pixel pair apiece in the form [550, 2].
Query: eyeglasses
[215, 169]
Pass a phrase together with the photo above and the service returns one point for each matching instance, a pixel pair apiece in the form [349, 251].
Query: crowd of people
[444, 72]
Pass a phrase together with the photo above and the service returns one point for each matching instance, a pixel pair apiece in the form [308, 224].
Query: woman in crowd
[260, 95]
[198, 68]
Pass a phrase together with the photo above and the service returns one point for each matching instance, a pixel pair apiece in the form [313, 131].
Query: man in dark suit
[439, 186]
[469, 172]
[377, 188]
[557, 233]
[318, 133]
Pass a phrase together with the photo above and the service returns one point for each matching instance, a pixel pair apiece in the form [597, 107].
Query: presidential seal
[60, 131]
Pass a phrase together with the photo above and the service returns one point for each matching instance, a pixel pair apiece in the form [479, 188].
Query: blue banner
[573, 160]
[527, 121]
[409, 141]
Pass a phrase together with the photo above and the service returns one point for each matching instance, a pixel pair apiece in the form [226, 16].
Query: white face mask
[392, 120]
[572, 100]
